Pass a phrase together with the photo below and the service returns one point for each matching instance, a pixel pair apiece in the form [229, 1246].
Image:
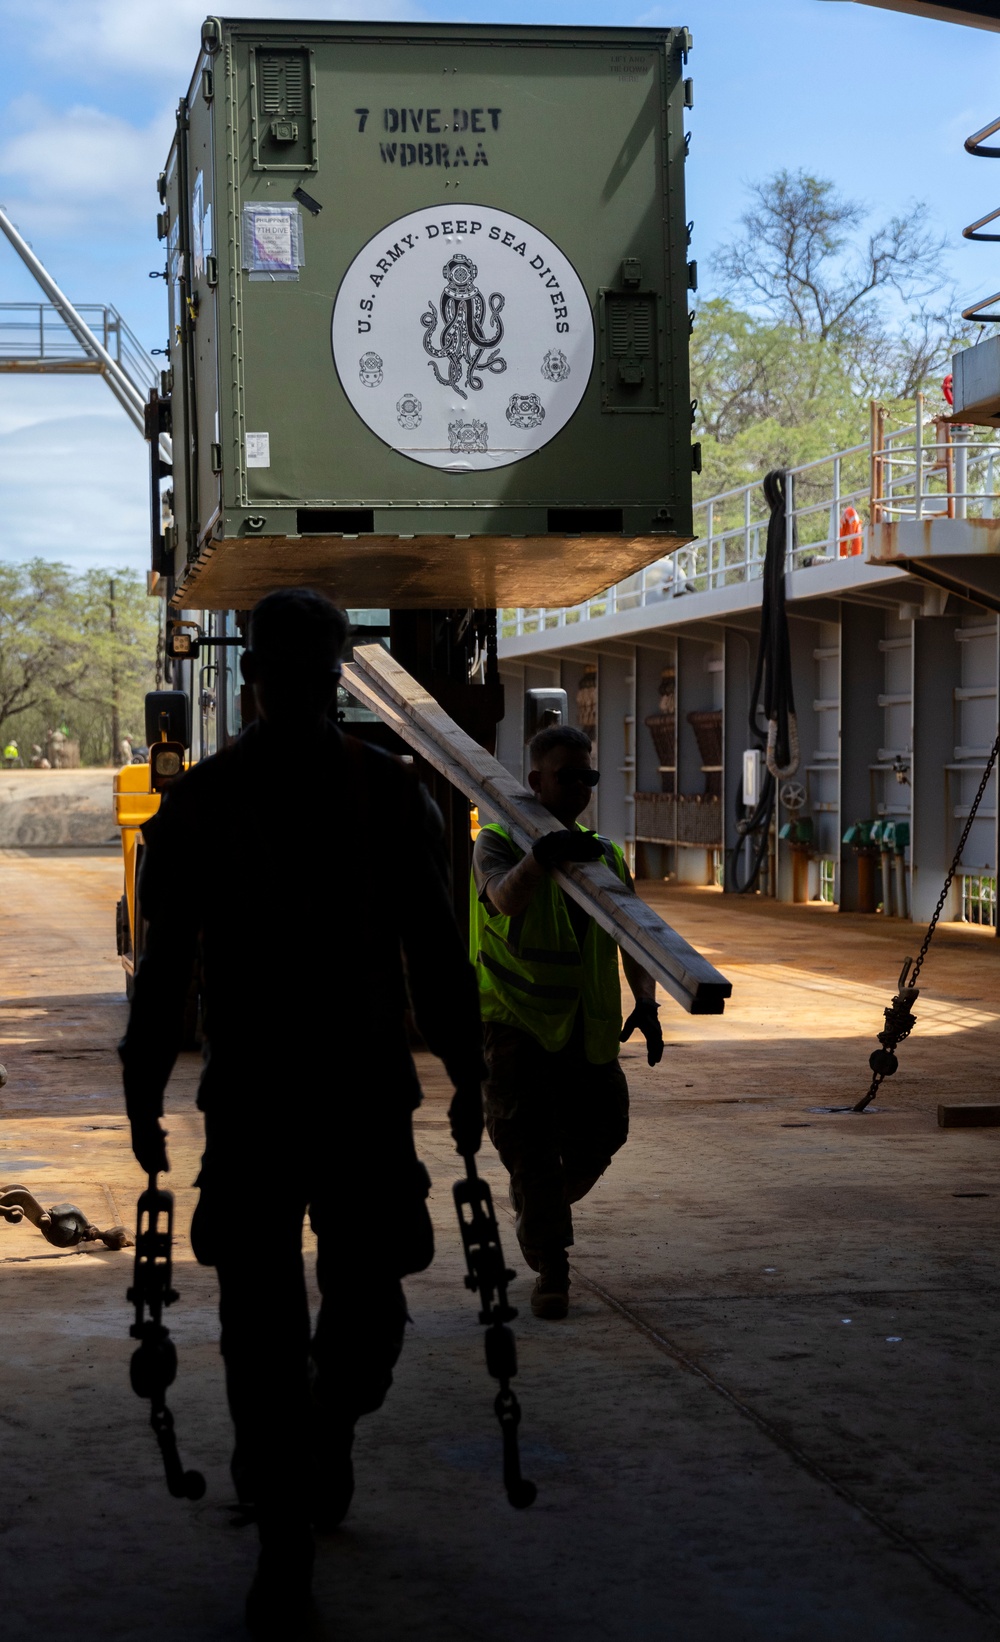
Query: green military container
[428, 314]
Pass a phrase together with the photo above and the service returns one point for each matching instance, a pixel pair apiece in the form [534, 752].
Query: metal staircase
[57, 337]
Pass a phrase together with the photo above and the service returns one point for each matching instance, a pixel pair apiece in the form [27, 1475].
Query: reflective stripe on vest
[533, 974]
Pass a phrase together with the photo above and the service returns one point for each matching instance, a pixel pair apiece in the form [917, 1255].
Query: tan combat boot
[550, 1295]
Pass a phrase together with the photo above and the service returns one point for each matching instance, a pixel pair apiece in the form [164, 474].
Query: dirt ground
[771, 1414]
[48, 809]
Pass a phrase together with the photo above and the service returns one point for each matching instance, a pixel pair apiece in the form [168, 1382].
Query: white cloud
[160, 41]
[80, 167]
[73, 475]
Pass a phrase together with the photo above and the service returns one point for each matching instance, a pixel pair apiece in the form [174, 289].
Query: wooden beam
[981, 1114]
[381, 684]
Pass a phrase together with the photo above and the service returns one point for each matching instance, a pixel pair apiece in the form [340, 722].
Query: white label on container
[463, 340]
[272, 240]
[258, 450]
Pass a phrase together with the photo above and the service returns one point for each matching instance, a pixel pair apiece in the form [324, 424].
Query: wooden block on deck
[970, 1115]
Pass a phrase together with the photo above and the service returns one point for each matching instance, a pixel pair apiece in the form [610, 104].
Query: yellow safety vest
[533, 974]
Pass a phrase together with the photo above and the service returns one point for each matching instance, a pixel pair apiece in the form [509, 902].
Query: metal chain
[911, 979]
[878, 1078]
[932, 926]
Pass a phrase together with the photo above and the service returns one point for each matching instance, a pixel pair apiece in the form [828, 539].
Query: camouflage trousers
[290, 1385]
[556, 1121]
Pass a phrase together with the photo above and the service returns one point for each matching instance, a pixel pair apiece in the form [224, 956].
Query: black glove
[149, 1144]
[465, 1114]
[553, 848]
[645, 1016]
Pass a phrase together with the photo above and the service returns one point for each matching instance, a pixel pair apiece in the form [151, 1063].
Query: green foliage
[77, 651]
[767, 397]
[119, 624]
[38, 641]
[837, 314]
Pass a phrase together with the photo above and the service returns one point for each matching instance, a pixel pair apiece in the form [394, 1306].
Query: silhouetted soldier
[556, 1097]
[307, 869]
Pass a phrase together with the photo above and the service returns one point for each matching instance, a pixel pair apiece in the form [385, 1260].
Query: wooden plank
[387, 689]
[969, 1115]
[437, 572]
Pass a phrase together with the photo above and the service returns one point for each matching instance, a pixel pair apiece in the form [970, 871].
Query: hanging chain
[932, 926]
[898, 1018]
[488, 1277]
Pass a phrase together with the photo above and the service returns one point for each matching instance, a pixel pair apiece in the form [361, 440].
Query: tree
[119, 626]
[799, 258]
[39, 642]
[833, 314]
[749, 370]
[79, 649]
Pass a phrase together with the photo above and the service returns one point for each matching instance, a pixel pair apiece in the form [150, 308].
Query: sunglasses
[578, 778]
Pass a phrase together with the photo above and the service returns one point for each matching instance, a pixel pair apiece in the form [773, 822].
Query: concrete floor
[770, 1415]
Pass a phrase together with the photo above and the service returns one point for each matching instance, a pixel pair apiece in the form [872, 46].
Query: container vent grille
[620, 327]
[631, 347]
[284, 130]
[294, 99]
[271, 85]
[631, 327]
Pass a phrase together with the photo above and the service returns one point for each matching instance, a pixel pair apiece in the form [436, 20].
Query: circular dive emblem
[464, 341]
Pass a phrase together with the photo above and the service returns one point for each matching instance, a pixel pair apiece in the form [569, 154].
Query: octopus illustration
[463, 340]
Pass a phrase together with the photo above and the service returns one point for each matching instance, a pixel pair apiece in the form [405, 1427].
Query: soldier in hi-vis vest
[556, 1097]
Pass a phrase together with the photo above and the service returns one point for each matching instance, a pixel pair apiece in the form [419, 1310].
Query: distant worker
[11, 755]
[304, 922]
[38, 759]
[556, 1097]
[125, 750]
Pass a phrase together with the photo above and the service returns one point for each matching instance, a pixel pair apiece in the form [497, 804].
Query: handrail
[971, 313]
[124, 390]
[970, 232]
[974, 144]
[38, 331]
[918, 470]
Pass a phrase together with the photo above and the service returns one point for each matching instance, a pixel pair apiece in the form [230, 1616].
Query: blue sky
[880, 103]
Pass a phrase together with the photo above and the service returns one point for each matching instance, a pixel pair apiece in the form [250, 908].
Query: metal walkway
[36, 339]
[58, 337]
[908, 495]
